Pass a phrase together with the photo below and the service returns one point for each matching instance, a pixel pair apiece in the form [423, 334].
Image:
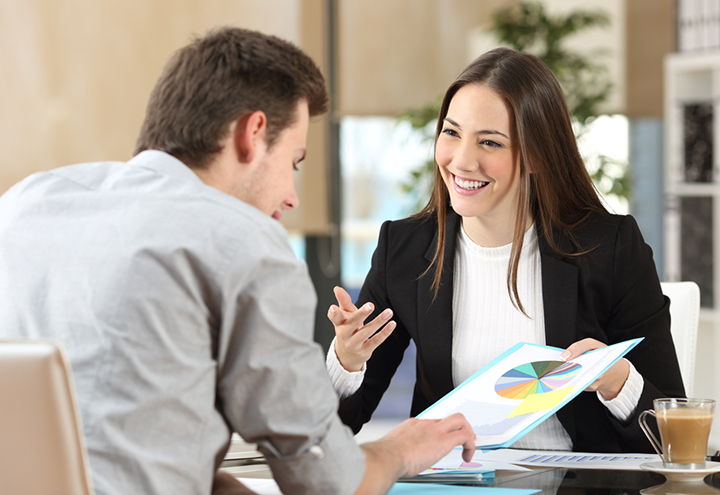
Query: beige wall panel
[311, 183]
[651, 34]
[76, 74]
[402, 54]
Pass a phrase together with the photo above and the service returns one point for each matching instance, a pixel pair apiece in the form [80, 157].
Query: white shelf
[694, 79]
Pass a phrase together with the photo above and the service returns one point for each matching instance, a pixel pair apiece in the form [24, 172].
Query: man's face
[270, 186]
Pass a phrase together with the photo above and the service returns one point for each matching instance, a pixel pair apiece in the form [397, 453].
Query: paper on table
[454, 461]
[521, 388]
[454, 465]
[240, 449]
[261, 486]
[435, 489]
[584, 460]
[269, 487]
[453, 468]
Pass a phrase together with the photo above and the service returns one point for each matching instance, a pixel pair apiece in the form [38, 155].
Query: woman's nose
[465, 158]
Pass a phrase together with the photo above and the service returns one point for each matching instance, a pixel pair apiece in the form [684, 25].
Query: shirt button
[317, 452]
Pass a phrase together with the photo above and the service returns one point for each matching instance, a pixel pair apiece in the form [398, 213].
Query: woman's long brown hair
[555, 187]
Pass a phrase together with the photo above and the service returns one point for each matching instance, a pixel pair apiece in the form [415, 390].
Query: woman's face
[478, 156]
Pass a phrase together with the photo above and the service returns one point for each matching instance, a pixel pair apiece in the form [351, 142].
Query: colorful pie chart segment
[534, 378]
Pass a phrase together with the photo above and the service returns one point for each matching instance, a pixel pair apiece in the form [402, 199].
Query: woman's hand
[354, 344]
[610, 383]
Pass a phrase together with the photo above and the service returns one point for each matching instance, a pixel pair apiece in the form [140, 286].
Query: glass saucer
[684, 475]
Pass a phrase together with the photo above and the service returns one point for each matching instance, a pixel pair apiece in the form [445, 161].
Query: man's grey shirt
[185, 316]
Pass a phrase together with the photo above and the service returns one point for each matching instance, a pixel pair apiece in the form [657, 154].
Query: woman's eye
[449, 132]
[492, 144]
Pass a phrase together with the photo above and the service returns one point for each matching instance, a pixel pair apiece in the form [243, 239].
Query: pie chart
[534, 378]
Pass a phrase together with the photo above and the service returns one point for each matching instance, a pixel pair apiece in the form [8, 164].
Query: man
[183, 310]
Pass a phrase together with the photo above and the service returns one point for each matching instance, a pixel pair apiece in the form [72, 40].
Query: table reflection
[680, 488]
[605, 482]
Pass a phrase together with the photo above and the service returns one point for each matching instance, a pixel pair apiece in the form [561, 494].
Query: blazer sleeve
[358, 408]
[639, 309]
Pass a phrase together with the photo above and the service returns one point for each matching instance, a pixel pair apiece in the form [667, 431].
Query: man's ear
[249, 135]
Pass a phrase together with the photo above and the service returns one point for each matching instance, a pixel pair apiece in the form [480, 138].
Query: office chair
[684, 314]
[42, 450]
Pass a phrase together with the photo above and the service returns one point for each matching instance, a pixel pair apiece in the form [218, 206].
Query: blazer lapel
[559, 285]
[435, 316]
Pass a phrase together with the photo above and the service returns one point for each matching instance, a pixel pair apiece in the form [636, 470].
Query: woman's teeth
[470, 184]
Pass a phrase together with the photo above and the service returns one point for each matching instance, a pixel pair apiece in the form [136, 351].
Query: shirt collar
[165, 164]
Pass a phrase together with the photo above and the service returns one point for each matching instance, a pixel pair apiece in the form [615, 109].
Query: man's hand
[411, 447]
[610, 383]
[353, 345]
[423, 442]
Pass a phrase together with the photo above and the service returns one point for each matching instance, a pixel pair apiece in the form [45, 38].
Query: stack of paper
[453, 468]
[428, 489]
[577, 460]
[241, 450]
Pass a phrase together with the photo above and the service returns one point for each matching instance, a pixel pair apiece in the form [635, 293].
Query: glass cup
[684, 426]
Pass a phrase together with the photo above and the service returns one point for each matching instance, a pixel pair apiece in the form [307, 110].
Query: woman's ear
[249, 135]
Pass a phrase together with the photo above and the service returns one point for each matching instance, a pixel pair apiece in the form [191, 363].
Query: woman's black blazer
[612, 293]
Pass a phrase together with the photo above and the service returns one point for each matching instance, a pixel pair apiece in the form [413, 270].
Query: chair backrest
[684, 314]
[42, 448]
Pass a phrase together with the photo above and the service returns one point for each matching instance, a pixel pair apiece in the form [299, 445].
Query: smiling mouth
[469, 185]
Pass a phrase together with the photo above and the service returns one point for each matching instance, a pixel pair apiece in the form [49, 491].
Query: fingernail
[368, 307]
[565, 355]
[332, 309]
[387, 314]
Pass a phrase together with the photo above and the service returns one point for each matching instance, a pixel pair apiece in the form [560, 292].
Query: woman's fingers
[581, 347]
[377, 338]
[610, 383]
[356, 340]
[343, 298]
[364, 332]
[347, 323]
[355, 350]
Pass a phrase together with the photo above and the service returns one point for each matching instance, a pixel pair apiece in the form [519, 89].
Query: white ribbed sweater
[485, 322]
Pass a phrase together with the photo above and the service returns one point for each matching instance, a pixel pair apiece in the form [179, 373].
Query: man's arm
[273, 388]
[408, 449]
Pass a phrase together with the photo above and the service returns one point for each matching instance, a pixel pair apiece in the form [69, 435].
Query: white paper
[577, 460]
[454, 460]
[499, 402]
[261, 486]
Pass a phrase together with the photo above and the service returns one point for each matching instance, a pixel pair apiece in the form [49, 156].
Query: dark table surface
[605, 482]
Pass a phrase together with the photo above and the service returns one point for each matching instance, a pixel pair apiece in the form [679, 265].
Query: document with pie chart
[521, 388]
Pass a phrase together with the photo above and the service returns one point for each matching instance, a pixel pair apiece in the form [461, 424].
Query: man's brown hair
[217, 79]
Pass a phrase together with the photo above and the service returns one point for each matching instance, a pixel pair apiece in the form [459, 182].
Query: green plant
[529, 28]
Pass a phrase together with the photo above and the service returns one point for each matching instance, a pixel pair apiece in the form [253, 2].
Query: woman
[514, 245]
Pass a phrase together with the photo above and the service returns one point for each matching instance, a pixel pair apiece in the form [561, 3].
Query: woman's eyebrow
[452, 122]
[482, 131]
[490, 131]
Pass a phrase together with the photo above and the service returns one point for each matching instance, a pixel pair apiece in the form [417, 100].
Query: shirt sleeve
[272, 386]
[624, 405]
[343, 381]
